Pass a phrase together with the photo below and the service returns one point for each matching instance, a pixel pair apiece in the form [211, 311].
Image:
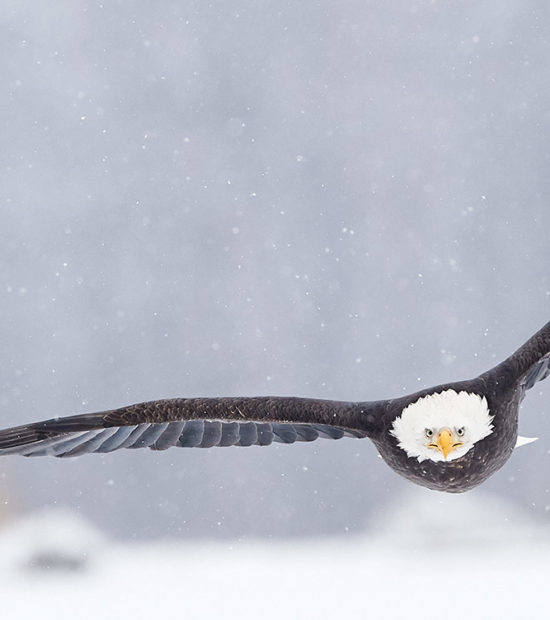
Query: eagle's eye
[429, 433]
[460, 431]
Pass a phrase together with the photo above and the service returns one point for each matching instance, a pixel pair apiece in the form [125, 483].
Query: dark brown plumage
[208, 422]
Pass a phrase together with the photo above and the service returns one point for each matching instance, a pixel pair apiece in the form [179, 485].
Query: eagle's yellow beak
[446, 443]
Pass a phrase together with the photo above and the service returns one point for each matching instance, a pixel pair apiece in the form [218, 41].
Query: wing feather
[61, 446]
[284, 433]
[230, 434]
[265, 434]
[538, 372]
[117, 440]
[169, 437]
[85, 444]
[148, 434]
[248, 434]
[190, 423]
[526, 366]
[212, 434]
[191, 436]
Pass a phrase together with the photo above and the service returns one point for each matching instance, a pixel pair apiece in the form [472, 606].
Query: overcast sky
[340, 200]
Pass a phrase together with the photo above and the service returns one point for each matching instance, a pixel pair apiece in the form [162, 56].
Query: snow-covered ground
[484, 560]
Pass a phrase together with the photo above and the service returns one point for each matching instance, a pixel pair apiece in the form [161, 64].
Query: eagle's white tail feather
[523, 441]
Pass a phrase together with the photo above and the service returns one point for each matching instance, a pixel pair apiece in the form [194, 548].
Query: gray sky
[340, 200]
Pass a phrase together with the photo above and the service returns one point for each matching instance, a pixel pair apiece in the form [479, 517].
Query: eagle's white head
[443, 426]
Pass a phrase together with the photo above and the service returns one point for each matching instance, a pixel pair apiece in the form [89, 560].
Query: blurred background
[255, 197]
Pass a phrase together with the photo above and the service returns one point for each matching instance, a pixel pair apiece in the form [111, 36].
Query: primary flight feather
[450, 437]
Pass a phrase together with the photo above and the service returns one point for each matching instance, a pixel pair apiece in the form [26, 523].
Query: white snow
[478, 558]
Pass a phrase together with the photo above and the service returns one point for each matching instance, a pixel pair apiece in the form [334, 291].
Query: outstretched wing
[538, 372]
[190, 422]
[532, 359]
[528, 365]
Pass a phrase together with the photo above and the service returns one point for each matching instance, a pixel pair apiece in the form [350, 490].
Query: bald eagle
[450, 437]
